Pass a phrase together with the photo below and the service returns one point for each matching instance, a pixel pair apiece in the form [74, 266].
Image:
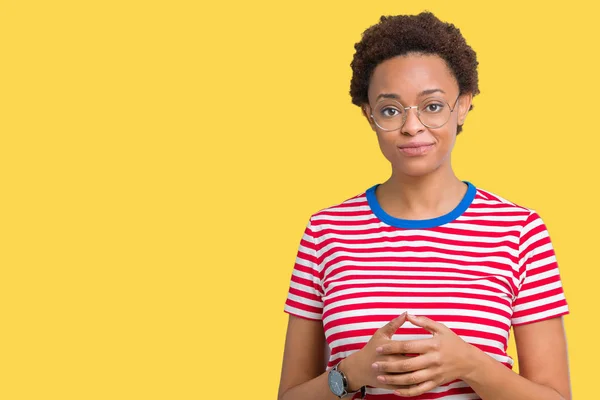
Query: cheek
[445, 143]
[449, 138]
[387, 145]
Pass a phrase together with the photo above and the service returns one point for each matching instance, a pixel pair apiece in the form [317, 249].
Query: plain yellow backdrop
[160, 159]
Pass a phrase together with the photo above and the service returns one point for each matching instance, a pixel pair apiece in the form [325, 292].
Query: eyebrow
[397, 97]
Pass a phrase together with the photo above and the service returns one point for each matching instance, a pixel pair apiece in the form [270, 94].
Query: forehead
[410, 74]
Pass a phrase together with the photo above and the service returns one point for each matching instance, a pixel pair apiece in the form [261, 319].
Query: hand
[442, 359]
[358, 366]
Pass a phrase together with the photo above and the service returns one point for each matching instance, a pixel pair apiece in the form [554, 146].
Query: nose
[412, 125]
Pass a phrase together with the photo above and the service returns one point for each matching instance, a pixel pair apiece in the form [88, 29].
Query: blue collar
[421, 223]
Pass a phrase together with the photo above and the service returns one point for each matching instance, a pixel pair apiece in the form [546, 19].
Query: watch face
[336, 383]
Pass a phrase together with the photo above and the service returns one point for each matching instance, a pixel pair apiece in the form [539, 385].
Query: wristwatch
[338, 383]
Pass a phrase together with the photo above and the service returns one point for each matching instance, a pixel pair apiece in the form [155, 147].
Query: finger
[389, 329]
[407, 347]
[390, 387]
[407, 379]
[427, 323]
[408, 364]
[417, 390]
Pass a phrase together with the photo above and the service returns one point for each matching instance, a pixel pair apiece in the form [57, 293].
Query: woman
[413, 285]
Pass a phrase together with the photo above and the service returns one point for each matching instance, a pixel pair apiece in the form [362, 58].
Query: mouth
[416, 149]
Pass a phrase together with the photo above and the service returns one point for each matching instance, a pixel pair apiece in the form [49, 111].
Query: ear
[464, 105]
[366, 112]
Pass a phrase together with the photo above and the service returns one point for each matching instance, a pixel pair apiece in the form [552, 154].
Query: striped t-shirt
[479, 269]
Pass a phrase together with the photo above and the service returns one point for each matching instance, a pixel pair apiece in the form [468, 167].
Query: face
[414, 149]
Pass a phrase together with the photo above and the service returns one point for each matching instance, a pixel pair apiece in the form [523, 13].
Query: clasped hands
[383, 362]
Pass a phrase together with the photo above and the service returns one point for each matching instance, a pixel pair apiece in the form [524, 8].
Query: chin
[416, 170]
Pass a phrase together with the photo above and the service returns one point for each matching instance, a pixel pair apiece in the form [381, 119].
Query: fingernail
[381, 378]
[375, 366]
[379, 349]
[404, 314]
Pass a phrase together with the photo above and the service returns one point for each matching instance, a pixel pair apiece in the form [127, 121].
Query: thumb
[391, 327]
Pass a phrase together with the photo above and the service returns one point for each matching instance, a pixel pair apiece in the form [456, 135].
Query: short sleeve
[305, 293]
[540, 294]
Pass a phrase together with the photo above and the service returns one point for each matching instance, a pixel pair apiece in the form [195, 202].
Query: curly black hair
[403, 34]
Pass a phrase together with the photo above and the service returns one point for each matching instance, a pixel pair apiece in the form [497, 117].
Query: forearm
[493, 381]
[317, 389]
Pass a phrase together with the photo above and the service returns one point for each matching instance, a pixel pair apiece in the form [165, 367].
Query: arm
[303, 371]
[543, 362]
[541, 342]
[446, 357]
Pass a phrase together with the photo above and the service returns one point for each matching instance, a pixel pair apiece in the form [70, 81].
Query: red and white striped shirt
[479, 269]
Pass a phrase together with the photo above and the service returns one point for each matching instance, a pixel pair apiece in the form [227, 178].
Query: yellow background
[160, 159]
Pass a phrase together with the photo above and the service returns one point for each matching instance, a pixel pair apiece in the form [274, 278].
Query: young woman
[411, 287]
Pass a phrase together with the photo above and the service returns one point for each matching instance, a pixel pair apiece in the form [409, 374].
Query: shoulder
[350, 208]
[485, 197]
[491, 202]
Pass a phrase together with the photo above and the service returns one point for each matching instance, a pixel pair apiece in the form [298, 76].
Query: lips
[416, 148]
[415, 144]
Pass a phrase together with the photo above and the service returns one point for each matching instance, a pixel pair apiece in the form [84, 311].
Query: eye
[433, 107]
[389, 112]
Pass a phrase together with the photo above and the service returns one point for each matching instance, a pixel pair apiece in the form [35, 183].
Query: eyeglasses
[433, 112]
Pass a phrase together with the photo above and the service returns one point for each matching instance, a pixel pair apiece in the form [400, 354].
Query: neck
[422, 197]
